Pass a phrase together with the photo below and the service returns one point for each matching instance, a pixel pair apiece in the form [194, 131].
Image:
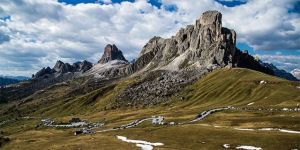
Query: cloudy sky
[36, 33]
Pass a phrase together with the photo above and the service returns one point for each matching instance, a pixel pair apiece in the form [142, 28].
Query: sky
[36, 33]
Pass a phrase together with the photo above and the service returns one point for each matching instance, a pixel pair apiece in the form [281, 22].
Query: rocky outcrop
[61, 68]
[168, 65]
[204, 45]
[111, 52]
[43, 72]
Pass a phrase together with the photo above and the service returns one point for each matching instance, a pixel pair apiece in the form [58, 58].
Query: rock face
[204, 45]
[61, 68]
[111, 52]
[184, 58]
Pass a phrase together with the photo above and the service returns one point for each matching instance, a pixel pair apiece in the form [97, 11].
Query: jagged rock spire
[111, 52]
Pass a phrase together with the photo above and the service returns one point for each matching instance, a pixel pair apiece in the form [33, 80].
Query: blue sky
[37, 33]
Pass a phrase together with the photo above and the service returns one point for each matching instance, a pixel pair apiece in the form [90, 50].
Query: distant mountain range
[296, 73]
[282, 73]
[6, 80]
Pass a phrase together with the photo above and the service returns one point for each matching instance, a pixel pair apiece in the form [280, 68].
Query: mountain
[61, 68]
[20, 78]
[280, 72]
[111, 52]
[109, 64]
[178, 61]
[202, 47]
[296, 73]
[6, 81]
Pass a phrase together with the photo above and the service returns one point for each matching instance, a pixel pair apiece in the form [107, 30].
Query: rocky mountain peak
[206, 45]
[61, 68]
[111, 52]
[58, 65]
[85, 65]
[210, 25]
[211, 18]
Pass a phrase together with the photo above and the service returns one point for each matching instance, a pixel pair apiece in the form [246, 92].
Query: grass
[238, 87]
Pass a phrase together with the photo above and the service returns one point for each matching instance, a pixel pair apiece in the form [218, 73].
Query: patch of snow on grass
[144, 145]
[244, 129]
[266, 129]
[250, 104]
[262, 82]
[206, 125]
[226, 145]
[248, 147]
[289, 131]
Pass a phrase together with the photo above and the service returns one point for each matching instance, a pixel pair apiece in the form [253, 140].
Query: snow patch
[266, 129]
[144, 145]
[226, 145]
[262, 82]
[248, 147]
[98, 69]
[242, 129]
[250, 103]
[289, 131]
[281, 130]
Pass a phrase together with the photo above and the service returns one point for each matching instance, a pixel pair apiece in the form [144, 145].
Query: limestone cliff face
[204, 45]
[111, 52]
[168, 65]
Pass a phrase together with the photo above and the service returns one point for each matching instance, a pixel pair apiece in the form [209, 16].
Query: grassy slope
[239, 87]
[221, 88]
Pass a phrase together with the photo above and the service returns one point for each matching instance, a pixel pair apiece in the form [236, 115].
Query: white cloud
[286, 62]
[40, 32]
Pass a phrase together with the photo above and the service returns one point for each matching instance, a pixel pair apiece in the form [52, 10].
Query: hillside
[239, 86]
